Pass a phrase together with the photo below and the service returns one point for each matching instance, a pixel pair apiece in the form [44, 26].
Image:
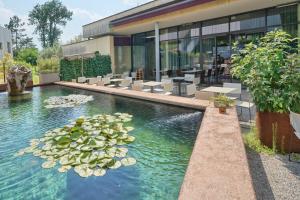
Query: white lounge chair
[125, 84]
[125, 75]
[167, 88]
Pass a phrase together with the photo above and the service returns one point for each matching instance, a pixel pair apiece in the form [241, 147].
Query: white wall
[5, 38]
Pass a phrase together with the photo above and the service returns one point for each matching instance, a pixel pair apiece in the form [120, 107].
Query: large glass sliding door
[143, 53]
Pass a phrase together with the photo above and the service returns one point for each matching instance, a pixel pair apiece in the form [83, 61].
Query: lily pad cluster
[67, 101]
[90, 145]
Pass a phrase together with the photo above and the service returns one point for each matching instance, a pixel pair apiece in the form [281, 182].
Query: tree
[27, 42]
[16, 26]
[28, 55]
[47, 18]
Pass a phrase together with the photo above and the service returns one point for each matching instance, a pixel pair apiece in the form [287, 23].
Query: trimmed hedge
[99, 65]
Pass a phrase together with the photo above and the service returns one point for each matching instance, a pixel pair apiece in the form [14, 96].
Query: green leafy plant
[270, 69]
[222, 101]
[90, 145]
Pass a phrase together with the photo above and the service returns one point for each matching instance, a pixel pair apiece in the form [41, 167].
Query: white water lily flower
[129, 128]
[130, 138]
[20, 153]
[128, 161]
[48, 164]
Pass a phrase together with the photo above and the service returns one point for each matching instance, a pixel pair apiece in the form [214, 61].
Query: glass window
[169, 55]
[215, 26]
[168, 34]
[8, 47]
[189, 51]
[282, 16]
[187, 31]
[291, 29]
[248, 21]
[0, 45]
[122, 59]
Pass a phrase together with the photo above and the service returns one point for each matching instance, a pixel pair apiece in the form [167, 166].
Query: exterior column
[157, 53]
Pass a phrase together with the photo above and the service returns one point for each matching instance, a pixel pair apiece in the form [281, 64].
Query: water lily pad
[99, 172]
[128, 161]
[48, 164]
[90, 145]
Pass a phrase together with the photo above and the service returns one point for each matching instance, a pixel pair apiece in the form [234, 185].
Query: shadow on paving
[261, 184]
[293, 167]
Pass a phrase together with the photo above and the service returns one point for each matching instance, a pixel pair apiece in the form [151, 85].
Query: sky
[84, 11]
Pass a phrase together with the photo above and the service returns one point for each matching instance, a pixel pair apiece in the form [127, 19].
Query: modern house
[166, 36]
[5, 41]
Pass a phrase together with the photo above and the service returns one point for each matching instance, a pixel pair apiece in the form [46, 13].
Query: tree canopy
[20, 39]
[47, 19]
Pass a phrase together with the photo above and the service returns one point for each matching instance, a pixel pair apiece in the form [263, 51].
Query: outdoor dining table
[152, 84]
[179, 80]
[117, 76]
[191, 71]
[219, 90]
[117, 81]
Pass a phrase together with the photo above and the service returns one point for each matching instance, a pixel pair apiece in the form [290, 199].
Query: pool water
[165, 137]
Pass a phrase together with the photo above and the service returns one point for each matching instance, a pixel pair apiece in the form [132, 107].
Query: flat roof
[141, 8]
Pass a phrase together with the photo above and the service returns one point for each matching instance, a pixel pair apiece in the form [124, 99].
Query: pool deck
[218, 167]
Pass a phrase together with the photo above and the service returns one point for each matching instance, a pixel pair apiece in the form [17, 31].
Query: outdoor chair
[92, 81]
[125, 75]
[125, 84]
[81, 79]
[238, 100]
[204, 95]
[110, 75]
[295, 122]
[139, 87]
[191, 89]
[99, 78]
[74, 81]
[133, 75]
[138, 82]
[167, 88]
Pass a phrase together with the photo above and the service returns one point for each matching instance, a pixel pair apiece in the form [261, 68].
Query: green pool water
[165, 137]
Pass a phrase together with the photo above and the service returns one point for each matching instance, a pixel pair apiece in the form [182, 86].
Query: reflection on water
[164, 140]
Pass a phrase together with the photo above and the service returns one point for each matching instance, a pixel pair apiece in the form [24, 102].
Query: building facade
[5, 42]
[167, 36]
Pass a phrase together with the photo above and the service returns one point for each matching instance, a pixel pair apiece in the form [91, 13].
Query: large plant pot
[286, 140]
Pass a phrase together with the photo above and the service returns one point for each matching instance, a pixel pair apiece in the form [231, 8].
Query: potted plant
[270, 70]
[222, 102]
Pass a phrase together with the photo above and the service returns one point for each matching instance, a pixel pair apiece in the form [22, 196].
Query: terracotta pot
[222, 110]
[286, 139]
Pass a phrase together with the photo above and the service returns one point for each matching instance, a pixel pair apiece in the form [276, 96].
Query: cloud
[84, 14]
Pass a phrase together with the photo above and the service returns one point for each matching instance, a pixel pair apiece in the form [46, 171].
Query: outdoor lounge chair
[125, 75]
[81, 79]
[125, 84]
[239, 103]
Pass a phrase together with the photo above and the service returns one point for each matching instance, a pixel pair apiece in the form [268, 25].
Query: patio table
[117, 76]
[117, 81]
[219, 90]
[179, 80]
[152, 84]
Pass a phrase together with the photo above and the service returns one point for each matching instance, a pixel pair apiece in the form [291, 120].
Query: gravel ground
[274, 177]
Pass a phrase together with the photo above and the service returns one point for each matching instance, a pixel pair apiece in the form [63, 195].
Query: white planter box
[46, 78]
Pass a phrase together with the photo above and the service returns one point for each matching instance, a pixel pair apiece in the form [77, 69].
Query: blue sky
[84, 11]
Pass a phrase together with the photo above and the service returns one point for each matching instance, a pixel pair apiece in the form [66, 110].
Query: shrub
[271, 71]
[48, 65]
[28, 55]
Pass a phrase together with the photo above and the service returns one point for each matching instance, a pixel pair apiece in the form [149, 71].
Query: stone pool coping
[218, 167]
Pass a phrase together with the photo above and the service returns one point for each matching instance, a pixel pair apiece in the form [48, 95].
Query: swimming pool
[165, 136]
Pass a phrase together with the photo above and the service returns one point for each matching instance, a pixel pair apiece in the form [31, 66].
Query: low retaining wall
[218, 167]
[47, 78]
